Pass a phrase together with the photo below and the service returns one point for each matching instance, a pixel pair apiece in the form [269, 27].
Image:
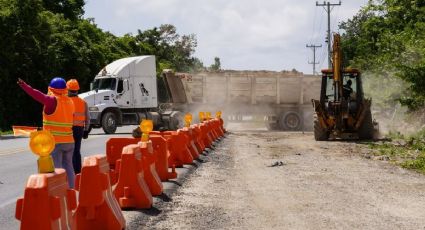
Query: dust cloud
[236, 117]
[385, 89]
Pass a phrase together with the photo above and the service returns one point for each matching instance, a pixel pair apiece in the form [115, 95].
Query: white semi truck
[125, 92]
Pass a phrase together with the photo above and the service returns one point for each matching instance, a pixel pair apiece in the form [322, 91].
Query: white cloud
[249, 34]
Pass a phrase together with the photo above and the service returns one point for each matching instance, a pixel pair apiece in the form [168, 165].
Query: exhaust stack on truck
[125, 92]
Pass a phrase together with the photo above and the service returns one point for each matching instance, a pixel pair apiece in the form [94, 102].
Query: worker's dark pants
[77, 132]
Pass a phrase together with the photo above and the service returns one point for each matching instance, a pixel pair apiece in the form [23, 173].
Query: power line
[314, 47]
[322, 58]
[314, 26]
[328, 8]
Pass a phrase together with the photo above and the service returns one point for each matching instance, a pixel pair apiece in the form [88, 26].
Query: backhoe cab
[342, 111]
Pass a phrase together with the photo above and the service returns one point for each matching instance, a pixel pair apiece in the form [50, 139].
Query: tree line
[386, 38]
[41, 39]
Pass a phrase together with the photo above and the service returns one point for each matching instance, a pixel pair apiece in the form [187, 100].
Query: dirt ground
[318, 185]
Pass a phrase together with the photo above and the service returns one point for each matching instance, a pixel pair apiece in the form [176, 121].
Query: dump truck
[125, 92]
[279, 99]
[342, 112]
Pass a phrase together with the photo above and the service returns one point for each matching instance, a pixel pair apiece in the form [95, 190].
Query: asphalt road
[17, 163]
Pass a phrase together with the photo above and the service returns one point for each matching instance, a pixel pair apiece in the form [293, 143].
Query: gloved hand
[20, 81]
[85, 134]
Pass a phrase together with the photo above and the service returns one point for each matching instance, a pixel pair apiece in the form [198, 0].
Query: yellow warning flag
[23, 130]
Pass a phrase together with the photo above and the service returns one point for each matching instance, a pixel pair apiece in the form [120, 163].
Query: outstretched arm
[49, 102]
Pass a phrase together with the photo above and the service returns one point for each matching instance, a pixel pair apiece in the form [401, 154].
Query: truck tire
[176, 120]
[290, 121]
[272, 126]
[366, 128]
[109, 122]
[90, 129]
[319, 133]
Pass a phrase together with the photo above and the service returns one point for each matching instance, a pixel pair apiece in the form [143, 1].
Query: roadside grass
[406, 151]
[6, 132]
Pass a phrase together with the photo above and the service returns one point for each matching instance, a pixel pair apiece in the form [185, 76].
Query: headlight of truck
[93, 109]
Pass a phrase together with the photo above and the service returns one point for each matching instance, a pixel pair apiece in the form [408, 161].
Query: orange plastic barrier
[214, 126]
[114, 148]
[148, 163]
[211, 130]
[188, 134]
[205, 135]
[179, 154]
[222, 125]
[198, 138]
[131, 190]
[160, 146]
[23, 130]
[217, 127]
[47, 203]
[97, 207]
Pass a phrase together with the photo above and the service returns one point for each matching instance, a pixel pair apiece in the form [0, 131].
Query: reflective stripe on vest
[59, 123]
[79, 111]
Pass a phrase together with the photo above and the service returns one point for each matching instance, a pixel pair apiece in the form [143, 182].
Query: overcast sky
[245, 34]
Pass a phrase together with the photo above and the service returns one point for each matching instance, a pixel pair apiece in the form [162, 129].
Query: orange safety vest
[59, 123]
[79, 112]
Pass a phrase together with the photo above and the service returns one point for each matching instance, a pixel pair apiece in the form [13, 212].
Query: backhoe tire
[320, 134]
[109, 122]
[366, 128]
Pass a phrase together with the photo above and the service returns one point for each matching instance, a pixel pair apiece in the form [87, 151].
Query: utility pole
[328, 8]
[314, 47]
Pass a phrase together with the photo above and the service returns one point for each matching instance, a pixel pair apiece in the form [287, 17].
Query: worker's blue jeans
[77, 132]
[62, 158]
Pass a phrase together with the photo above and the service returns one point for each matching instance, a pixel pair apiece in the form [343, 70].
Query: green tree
[42, 39]
[217, 65]
[171, 49]
[387, 38]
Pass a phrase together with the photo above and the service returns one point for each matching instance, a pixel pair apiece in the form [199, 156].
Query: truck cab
[123, 93]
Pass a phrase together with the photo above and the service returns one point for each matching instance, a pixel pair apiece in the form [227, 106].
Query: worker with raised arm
[81, 124]
[57, 118]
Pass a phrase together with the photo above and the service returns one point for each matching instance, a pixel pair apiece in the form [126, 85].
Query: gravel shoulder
[318, 185]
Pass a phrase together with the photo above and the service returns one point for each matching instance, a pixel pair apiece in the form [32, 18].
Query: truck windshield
[104, 83]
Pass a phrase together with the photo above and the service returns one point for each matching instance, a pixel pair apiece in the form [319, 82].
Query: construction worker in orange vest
[57, 118]
[81, 124]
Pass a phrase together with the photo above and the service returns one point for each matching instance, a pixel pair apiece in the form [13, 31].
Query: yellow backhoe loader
[342, 111]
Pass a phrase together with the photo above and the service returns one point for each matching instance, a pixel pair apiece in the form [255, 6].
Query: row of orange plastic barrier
[127, 177]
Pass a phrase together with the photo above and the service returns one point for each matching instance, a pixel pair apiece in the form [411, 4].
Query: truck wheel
[176, 121]
[90, 128]
[290, 121]
[319, 133]
[271, 126]
[366, 128]
[109, 123]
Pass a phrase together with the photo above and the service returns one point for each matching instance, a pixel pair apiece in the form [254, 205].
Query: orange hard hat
[72, 85]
